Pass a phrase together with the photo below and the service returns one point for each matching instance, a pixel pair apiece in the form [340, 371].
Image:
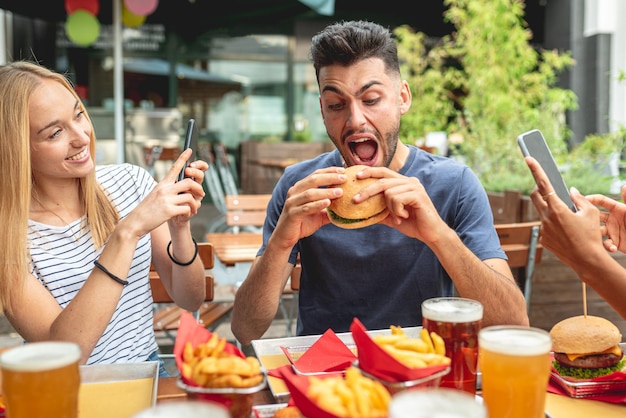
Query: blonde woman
[79, 239]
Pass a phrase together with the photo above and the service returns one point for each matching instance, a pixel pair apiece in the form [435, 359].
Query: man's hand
[304, 211]
[411, 210]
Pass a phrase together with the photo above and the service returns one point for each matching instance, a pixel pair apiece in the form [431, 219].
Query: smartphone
[189, 135]
[533, 144]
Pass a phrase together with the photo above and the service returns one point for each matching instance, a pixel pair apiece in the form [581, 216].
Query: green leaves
[487, 82]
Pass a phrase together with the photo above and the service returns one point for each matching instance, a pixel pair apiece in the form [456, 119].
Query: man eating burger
[437, 240]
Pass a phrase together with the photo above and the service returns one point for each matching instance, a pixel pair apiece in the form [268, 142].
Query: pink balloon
[130, 19]
[141, 7]
[91, 6]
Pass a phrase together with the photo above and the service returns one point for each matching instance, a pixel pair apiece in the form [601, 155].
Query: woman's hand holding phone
[533, 144]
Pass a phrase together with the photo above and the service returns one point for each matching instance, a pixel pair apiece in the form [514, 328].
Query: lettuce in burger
[346, 214]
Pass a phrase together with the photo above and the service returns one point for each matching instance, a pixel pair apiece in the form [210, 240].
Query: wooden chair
[520, 242]
[246, 211]
[210, 314]
[245, 215]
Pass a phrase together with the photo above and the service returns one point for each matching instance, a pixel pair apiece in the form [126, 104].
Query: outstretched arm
[577, 238]
[413, 213]
[37, 315]
[256, 301]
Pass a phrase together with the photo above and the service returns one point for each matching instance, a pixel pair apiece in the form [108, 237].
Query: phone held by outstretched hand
[188, 137]
[533, 144]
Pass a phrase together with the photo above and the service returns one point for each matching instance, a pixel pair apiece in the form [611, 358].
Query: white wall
[608, 16]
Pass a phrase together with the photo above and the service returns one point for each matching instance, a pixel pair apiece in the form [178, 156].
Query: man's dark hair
[345, 43]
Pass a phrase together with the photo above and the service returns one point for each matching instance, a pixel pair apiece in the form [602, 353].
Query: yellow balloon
[130, 19]
[82, 28]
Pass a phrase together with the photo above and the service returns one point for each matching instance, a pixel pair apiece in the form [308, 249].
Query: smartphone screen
[189, 136]
[533, 144]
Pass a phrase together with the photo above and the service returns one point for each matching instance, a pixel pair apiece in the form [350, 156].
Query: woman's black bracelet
[175, 261]
[108, 273]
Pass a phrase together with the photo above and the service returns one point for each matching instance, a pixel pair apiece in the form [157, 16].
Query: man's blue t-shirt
[376, 273]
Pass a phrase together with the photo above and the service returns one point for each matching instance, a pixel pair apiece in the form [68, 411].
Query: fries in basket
[351, 396]
[208, 365]
[428, 350]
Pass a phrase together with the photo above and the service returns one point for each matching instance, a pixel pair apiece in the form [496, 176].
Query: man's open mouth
[364, 150]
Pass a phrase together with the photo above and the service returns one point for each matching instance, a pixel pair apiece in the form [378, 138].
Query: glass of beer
[515, 366]
[457, 321]
[41, 379]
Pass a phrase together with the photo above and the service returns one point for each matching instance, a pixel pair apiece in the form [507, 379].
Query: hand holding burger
[346, 214]
[586, 347]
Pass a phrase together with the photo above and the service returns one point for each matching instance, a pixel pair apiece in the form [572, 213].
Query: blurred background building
[241, 69]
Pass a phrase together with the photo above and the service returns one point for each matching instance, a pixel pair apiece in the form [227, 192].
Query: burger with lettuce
[346, 214]
[586, 347]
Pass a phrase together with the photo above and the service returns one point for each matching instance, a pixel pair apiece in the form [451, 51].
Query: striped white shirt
[62, 259]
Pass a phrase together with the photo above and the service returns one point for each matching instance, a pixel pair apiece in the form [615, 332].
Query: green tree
[488, 83]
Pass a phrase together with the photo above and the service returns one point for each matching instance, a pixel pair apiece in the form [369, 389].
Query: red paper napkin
[373, 359]
[327, 354]
[298, 386]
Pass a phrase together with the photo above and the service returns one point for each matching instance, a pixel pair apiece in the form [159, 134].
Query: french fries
[428, 350]
[208, 365]
[353, 396]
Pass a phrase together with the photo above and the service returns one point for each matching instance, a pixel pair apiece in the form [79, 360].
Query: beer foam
[185, 409]
[452, 310]
[40, 356]
[519, 341]
[436, 403]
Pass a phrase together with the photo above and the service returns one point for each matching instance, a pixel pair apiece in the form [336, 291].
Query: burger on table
[586, 347]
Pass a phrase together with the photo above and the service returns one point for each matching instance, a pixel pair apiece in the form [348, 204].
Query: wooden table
[556, 405]
[559, 406]
[233, 248]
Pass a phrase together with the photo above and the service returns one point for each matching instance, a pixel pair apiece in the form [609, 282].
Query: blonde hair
[18, 80]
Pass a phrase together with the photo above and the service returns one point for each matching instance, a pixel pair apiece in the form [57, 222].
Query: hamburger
[344, 213]
[586, 347]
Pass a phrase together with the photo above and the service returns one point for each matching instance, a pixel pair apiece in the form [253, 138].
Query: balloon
[130, 19]
[141, 7]
[82, 28]
[91, 6]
